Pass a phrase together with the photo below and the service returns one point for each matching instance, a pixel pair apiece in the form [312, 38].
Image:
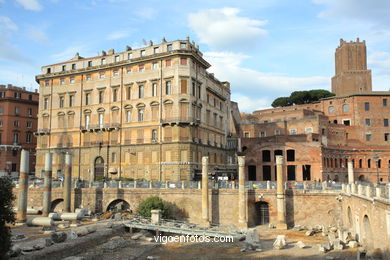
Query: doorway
[99, 168]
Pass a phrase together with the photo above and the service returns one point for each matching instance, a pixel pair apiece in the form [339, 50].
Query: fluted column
[205, 191]
[280, 194]
[47, 185]
[242, 202]
[21, 214]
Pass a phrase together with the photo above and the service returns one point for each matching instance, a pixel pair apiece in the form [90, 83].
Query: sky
[264, 48]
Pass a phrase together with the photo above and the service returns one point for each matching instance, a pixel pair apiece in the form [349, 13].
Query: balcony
[42, 131]
[101, 127]
[186, 120]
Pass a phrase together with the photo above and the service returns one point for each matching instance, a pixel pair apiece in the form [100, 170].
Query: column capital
[205, 159]
[279, 159]
[241, 160]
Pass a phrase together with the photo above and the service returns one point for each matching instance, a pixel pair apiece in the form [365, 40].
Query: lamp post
[376, 157]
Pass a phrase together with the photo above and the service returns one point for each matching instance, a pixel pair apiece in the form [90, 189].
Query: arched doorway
[99, 168]
[262, 213]
[361, 178]
[350, 222]
[57, 205]
[367, 234]
[118, 205]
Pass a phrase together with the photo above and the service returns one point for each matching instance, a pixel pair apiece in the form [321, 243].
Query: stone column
[280, 195]
[47, 185]
[360, 189]
[368, 191]
[242, 221]
[378, 192]
[353, 188]
[21, 215]
[67, 182]
[205, 191]
[350, 173]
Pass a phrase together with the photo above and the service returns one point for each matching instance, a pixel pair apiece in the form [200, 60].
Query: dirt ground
[208, 251]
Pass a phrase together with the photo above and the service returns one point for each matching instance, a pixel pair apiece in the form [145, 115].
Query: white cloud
[374, 11]
[69, 53]
[223, 29]
[146, 13]
[379, 61]
[7, 24]
[32, 5]
[250, 104]
[118, 35]
[38, 35]
[261, 87]
[10, 53]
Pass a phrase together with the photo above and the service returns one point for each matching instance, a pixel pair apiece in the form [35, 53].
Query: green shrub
[7, 215]
[154, 202]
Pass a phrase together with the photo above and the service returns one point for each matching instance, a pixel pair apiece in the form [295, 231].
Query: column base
[205, 224]
[281, 226]
[243, 224]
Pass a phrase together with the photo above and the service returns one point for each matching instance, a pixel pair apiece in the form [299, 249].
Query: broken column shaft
[21, 214]
[350, 173]
[67, 182]
[47, 185]
[205, 191]
[242, 221]
[280, 194]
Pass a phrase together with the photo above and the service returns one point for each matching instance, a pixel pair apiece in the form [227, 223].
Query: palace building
[318, 139]
[18, 122]
[149, 113]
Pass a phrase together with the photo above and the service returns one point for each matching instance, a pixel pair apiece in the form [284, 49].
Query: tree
[302, 97]
[281, 102]
[7, 215]
[154, 202]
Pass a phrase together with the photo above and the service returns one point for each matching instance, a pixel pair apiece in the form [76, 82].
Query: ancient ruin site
[263, 135]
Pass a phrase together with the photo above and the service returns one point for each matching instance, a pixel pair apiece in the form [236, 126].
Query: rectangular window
[154, 135]
[115, 95]
[117, 58]
[16, 138]
[29, 112]
[1, 123]
[385, 102]
[141, 68]
[193, 89]
[62, 81]
[101, 120]
[263, 134]
[128, 70]
[87, 120]
[47, 83]
[368, 137]
[71, 100]
[168, 88]
[16, 123]
[143, 53]
[246, 134]
[169, 47]
[101, 96]
[367, 106]
[45, 103]
[128, 116]
[90, 63]
[308, 130]
[156, 50]
[155, 65]
[62, 101]
[28, 138]
[130, 56]
[73, 66]
[277, 132]
[183, 45]
[183, 86]
[116, 73]
[385, 122]
[167, 63]
[386, 137]
[103, 61]
[368, 122]
[293, 131]
[72, 80]
[183, 61]
[88, 77]
[113, 157]
[63, 67]
[154, 89]
[102, 75]
[199, 91]
[140, 115]
[141, 91]
[128, 93]
[87, 98]
[29, 124]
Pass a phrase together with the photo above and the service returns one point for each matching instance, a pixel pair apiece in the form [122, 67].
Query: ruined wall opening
[361, 178]
[262, 213]
[118, 205]
[350, 222]
[306, 172]
[57, 205]
[291, 172]
[367, 234]
[266, 154]
[252, 172]
[290, 155]
[266, 172]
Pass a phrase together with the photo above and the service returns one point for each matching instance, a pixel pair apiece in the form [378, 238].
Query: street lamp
[376, 157]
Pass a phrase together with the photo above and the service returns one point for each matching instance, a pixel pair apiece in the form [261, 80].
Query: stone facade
[149, 113]
[323, 136]
[18, 122]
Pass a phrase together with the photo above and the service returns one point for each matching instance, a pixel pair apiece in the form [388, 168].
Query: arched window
[345, 108]
[369, 163]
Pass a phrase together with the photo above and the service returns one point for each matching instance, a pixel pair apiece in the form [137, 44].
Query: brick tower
[352, 76]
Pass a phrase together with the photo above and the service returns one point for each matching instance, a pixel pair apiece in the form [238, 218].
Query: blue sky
[265, 48]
